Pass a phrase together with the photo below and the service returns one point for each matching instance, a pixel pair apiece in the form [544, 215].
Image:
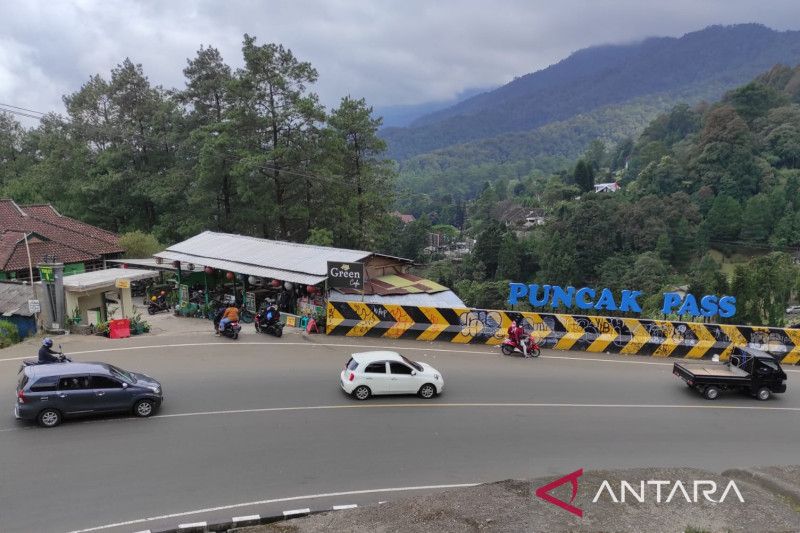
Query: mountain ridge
[594, 77]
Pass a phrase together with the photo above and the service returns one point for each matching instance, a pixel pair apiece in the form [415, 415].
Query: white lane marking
[192, 525]
[442, 405]
[275, 500]
[248, 518]
[463, 404]
[343, 507]
[376, 346]
[295, 512]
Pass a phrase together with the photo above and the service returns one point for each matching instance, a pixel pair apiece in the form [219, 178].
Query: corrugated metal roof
[242, 268]
[447, 299]
[247, 253]
[103, 278]
[14, 299]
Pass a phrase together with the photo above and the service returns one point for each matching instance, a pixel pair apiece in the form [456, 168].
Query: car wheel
[506, 349]
[764, 394]
[49, 418]
[144, 408]
[362, 392]
[711, 393]
[427, 391]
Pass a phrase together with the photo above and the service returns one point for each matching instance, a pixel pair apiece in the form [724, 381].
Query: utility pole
[33, 285]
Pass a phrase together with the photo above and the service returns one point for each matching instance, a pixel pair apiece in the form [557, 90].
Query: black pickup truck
[750, 370]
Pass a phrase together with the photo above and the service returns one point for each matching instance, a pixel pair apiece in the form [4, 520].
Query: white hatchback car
[384, 372]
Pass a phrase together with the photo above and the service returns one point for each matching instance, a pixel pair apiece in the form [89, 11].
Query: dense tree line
[698, 185]
[249, 150]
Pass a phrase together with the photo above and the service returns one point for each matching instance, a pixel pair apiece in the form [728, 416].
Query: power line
[20, 113]
[23, 109]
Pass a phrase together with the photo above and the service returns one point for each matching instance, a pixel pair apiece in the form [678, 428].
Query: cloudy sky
[391, 52]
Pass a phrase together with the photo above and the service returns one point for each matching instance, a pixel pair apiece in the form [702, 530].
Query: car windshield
[123, 375]
[412, 363]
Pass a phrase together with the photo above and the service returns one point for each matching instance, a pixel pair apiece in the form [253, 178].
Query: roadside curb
[237, 522]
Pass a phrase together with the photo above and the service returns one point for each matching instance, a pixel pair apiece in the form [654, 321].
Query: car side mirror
[124, 385]
[413, 372]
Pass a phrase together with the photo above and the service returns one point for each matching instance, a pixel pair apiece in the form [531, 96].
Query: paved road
[263, 420]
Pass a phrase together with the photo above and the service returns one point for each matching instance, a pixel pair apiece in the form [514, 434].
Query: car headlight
[436, 377]
[156, 390]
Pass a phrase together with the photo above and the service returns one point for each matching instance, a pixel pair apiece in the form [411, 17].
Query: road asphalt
[262, 419]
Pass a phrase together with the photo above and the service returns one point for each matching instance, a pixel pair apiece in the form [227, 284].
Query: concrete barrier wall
[626, 336]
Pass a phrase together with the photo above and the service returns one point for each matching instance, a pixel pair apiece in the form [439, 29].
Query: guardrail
[626, 336]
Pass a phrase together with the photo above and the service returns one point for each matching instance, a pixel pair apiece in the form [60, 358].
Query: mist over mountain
[706, 62]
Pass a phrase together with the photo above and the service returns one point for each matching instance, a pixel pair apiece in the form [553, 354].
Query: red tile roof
[18, 259]
[66, 236]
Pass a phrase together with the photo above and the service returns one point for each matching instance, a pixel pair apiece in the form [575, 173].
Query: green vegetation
[699, 184]
[138, 244]
[248, 151]
[9, 334]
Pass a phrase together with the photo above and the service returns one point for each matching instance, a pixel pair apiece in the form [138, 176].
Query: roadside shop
[216, 269]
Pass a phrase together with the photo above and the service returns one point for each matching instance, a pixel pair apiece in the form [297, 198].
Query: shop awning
[242, 268]
[100, 279]
[286, 261]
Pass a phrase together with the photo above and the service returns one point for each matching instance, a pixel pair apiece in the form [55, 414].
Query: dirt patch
[512, 506]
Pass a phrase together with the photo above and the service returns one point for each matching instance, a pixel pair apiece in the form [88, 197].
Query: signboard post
[250, 302]
[346, 276]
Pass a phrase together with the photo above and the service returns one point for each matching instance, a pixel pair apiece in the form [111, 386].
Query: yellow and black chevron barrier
[626, 336]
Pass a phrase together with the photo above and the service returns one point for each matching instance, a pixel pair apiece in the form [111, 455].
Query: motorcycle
[509, 347]
[33, 362]
[274, 327]
[157, 306]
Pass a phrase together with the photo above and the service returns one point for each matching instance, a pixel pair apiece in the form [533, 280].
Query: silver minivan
[48, 393]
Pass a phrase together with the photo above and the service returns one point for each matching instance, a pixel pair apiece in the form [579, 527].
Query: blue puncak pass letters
[587, 298]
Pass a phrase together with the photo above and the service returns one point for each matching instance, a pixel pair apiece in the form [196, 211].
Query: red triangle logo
[543, 492]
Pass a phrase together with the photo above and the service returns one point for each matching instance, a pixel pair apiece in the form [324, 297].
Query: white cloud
[390, 52]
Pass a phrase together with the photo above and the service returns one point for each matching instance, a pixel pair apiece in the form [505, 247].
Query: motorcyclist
[231, 314]
[272, 315]
[47, 354]
[518, 336]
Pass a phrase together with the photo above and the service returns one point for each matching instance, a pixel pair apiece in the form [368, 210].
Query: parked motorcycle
[157, 306]
[270, 327]
[510, 347]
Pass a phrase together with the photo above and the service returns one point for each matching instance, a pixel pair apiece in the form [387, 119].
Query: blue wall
[25, 324]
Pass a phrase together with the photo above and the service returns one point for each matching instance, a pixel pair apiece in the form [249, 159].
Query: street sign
[123, 283]
[250, 302]
[346, 275]
[46, 273]
[34, 306]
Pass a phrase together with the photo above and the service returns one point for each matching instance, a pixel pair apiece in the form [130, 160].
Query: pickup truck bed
[723, 371]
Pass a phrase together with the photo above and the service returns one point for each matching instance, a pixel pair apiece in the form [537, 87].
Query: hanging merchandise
[275, 283]
[252, 280]
[229, 275]
[190, 267]
[288, 286]
[209, 270]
